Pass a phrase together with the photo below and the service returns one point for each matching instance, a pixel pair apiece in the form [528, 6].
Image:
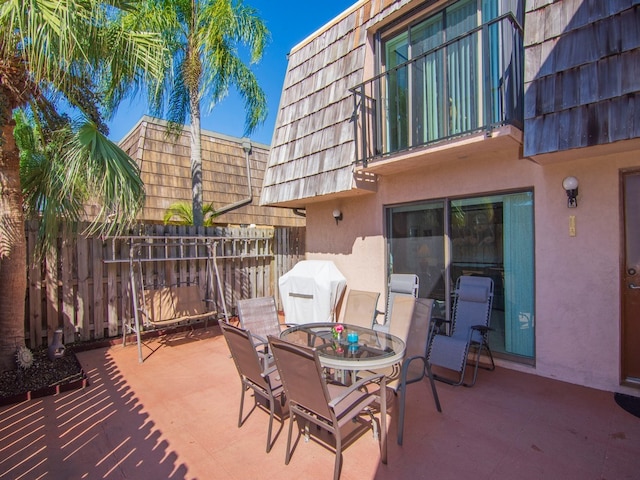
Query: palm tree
[73, 51]
[180, 213]
[204, 37]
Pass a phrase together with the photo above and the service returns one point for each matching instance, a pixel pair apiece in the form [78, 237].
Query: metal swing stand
[158, 307]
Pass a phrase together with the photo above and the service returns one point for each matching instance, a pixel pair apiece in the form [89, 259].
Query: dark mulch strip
[44, 377]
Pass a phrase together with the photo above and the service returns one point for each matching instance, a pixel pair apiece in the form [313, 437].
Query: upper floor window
[455, 71]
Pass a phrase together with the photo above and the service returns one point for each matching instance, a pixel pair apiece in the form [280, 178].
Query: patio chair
[260, 316]
[473, 298]
[400, 285]
[360, 308]
[327, 405]
[415, 366]
[264, 382]
[411, 322]
[400, 321]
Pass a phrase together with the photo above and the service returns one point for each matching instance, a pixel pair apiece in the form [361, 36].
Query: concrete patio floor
[175, 417]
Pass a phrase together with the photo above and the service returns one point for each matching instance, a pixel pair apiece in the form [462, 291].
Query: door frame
[625, 378]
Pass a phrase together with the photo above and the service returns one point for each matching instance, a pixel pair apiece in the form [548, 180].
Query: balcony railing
[471, 83]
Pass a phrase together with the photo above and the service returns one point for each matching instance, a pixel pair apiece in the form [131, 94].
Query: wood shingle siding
[582, 74]
[166, 172]
[313, 151]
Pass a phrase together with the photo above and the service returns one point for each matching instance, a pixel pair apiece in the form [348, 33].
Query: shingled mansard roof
[313, 150]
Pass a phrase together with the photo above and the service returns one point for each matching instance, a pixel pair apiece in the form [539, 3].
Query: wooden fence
[84, 286]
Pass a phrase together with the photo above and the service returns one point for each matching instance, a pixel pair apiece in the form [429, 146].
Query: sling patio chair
[360, 308]
[415, 366]
[264, 382]
[411, 322]
[400, 285]
[469, 329]
[260, 316]
[329, 406]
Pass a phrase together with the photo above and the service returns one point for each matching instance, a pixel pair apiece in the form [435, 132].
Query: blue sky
[289, 22]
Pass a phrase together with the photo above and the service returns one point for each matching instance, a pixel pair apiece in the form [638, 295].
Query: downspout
[301, 212]
[246, 146]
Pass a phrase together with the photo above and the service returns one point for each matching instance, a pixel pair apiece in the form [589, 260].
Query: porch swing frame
[174, 303]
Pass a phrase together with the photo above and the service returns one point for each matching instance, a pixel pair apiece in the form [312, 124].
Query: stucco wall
[577, 278]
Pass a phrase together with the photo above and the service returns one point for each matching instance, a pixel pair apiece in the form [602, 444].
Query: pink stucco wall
[577, 278]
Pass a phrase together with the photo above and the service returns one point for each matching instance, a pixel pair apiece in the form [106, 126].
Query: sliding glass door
[489, 236]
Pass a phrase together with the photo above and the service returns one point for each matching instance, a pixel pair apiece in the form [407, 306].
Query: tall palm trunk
[196, 162]
[13, 256]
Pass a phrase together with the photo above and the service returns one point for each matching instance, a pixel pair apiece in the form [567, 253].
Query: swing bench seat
[168, 305]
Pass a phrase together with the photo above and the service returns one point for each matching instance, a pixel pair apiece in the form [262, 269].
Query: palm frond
[181, 213]
[111, 177]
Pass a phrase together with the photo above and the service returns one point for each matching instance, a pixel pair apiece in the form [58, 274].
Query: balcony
[470, 85]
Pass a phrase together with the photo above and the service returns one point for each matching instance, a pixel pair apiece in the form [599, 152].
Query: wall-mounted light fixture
[337, 214]
[570, 184]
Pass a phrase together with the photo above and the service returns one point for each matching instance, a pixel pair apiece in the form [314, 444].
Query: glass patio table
[357, 348]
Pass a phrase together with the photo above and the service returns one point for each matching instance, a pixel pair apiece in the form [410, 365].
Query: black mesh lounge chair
[329, 406]
[263, 382]
[468, 332]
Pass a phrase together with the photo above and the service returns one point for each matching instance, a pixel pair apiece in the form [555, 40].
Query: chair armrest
[439, 320]
[356, 386]
[405, 368]
[258, 340]
[269, 370]
[482, 328]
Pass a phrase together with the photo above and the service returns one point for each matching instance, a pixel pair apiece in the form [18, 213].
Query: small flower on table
[337, 331]
[337, 335]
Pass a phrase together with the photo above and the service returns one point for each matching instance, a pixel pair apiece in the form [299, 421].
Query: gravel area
[42, 373]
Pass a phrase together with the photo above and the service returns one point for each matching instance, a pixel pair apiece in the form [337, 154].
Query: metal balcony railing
[471, 83]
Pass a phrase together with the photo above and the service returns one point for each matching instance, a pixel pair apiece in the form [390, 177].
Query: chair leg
[493, 365]
[338, 463]
[241, 405]
[436, 399]
[271, 414]
[401, 401]
[383, 421]
[477, 363]
[292, 418]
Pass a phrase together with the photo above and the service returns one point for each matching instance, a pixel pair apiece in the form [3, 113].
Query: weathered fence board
[84, 286]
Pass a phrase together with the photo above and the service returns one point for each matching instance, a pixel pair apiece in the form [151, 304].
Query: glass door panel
[488, 236]
[416, 245]
[396, 101]
[428, 84]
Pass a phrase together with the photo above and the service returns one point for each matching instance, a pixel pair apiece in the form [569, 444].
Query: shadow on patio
[175, 416]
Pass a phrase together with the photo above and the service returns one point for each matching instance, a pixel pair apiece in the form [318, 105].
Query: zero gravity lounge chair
[469, 330]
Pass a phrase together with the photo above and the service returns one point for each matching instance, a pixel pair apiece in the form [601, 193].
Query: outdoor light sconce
[570, 184]
[337, 214]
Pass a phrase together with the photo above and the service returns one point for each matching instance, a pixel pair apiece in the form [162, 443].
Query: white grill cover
[310, 291]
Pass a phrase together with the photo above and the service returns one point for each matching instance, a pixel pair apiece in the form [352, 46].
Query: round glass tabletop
[353, 348]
